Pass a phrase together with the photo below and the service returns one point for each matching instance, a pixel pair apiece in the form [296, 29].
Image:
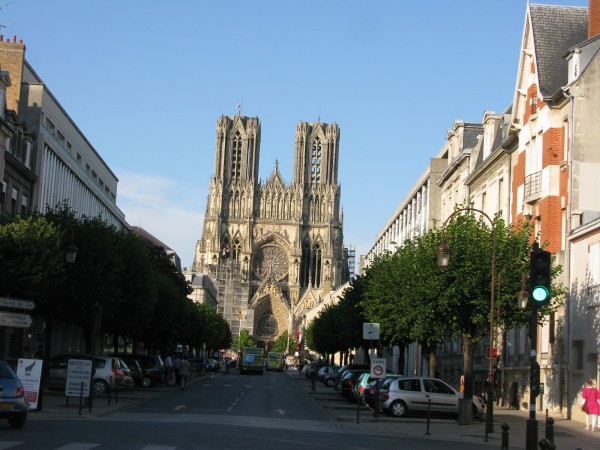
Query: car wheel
[398, 409]
[146, 382]
[100, 386]
[17, 421]
[330, 382]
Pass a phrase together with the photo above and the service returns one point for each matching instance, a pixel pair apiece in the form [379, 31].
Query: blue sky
[146, 80]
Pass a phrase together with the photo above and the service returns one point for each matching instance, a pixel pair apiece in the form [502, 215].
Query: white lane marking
[78, 446]
[9, 444]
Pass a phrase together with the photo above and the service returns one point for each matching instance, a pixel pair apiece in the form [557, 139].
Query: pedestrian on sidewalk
[184, 372]
[591, 404]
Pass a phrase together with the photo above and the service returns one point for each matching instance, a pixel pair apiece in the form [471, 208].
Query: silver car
[405, 395]
[13, 401]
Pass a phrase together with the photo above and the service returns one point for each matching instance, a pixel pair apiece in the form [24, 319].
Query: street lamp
[443, 258]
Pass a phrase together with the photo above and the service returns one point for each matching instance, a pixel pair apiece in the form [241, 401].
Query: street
[227, 411]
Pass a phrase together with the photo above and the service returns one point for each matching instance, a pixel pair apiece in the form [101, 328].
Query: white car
[401, 396]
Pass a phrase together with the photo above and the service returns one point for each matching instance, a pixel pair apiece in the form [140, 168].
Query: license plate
[6, 406]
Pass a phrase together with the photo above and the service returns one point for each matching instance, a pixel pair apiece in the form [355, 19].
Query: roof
[555, 30]
[143, 233]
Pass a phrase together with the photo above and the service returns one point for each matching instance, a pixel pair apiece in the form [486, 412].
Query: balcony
[533, 187]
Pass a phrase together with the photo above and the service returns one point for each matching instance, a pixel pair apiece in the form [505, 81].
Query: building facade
[59, 164]
[538, 161]
[274, 250]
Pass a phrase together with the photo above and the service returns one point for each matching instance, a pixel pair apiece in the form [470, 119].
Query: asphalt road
[223, 412]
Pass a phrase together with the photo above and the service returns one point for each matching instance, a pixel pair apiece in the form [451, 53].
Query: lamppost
[443, 258]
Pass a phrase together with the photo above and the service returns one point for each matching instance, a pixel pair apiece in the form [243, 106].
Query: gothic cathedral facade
[274, 250]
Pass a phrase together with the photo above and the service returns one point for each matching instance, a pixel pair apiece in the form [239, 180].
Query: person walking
[591, 404]
[184, 372]
[169, 366]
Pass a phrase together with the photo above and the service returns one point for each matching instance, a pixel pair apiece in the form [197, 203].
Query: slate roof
[555, 30]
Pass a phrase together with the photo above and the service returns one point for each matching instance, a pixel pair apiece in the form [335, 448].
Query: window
[78, 159]
[50, 127]
[60, 138]
[409, 385]
[3, 188]
[236, 155]
[315, 162]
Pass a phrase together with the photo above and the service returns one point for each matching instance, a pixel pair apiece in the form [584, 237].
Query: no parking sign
[378, 368]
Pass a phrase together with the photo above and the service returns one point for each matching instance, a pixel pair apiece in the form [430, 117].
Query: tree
[243, 340]
[281, 343]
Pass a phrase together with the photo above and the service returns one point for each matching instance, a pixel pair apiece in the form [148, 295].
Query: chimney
[593, 18]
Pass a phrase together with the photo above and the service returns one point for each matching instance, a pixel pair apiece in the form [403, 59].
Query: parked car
[346, 386]
[124, 378]
[343, 369]
[401, 396]
[13, 402]
[312, 369]
[152, 366]
[324, 370]
[364, 380]
[330, 379]
[371, 388]
[106, 371]
[136, 372]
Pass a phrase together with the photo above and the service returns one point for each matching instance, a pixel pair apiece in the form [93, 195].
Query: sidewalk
[55, 403]
[568, 434]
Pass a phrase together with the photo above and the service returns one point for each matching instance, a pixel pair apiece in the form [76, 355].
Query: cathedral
[273, 249]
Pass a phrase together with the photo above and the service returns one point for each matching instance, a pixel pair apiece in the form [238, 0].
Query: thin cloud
[155, 203]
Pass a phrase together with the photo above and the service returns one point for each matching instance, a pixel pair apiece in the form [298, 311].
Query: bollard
[80, 399]
[550, 430]
[428, 413]
[546, 444]
[504, 444]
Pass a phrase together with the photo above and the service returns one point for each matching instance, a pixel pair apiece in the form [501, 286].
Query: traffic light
[540, 278]
[535, 379]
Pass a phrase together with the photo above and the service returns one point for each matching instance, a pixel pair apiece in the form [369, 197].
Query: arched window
[236, 155]
[315, 162]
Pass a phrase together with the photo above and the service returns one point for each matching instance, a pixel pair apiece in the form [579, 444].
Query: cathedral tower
[273, 249]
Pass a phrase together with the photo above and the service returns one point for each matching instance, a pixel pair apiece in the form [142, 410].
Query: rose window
[270, 262]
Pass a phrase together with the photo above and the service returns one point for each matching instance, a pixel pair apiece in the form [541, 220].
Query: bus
[275, 361]
[252, 360]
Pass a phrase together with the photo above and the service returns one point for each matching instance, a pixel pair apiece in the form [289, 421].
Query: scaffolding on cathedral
[350, 255]
[232, 297]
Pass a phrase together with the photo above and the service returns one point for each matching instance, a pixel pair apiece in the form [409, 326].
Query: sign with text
[378, 367]
[29, 372]
[78, 371]
[6, 302]
[371, 331]
[8, 319]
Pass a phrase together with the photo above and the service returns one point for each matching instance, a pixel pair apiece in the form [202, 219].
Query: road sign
[371, 331]
[8, 319]
[378, 367]
[14, 303]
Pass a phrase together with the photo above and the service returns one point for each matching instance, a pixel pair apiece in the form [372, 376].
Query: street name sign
[6, 302]
[8, 319]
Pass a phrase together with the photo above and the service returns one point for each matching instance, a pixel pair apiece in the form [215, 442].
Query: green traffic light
[540, 293]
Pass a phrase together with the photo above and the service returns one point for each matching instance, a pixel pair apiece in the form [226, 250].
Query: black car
[346, 386]
[342, 371]
[152, 366]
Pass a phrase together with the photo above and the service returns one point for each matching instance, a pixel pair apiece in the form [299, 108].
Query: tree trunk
[433, 364]
[468, 350]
